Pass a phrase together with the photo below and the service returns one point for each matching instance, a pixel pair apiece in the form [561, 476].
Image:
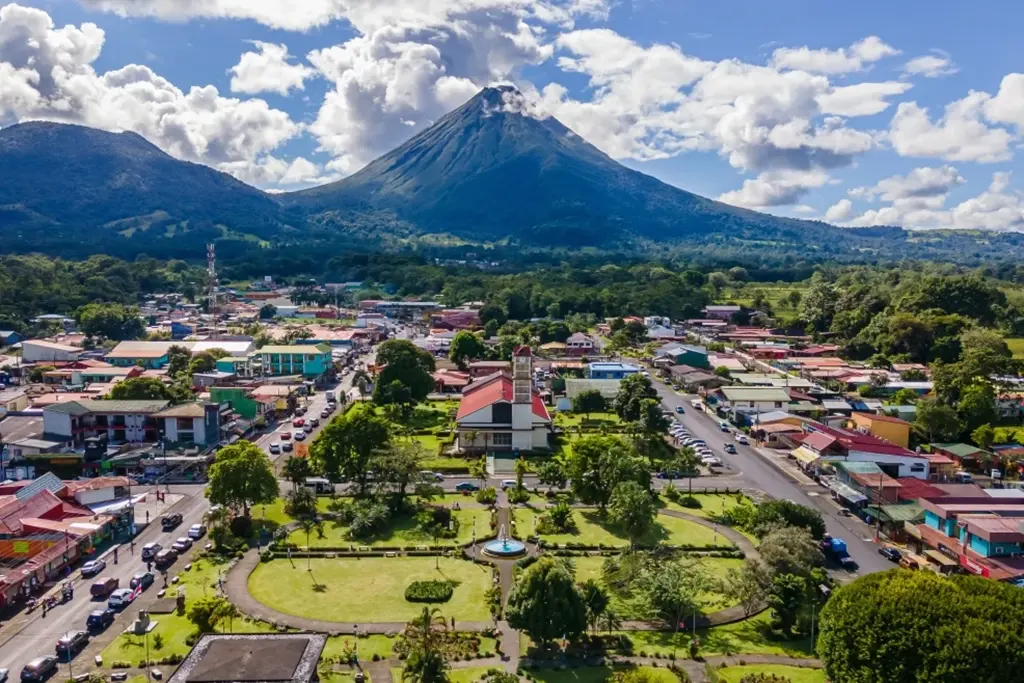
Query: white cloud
[47, 73]
[960, 135]
[840, 211]
[842, 61]
[775, 188]
[918, 184]
[1008, 104]
[918, 201]
[272, 171]
[268, 70]
[930, 66]
[862, 99]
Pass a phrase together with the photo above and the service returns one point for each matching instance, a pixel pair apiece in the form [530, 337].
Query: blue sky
[905, 113]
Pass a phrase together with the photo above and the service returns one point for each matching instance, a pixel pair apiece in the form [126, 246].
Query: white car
[122, 597]
[742, 438]
[196, 531]
[275, 448]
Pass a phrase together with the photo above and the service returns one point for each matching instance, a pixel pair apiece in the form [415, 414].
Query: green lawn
[711, 600]
[402, 531]
[368, 589]
[794, 674]
[468, 675]
[593, 530]
[428, 415]
[711, 505]
[747, 637]
[567, 420]
[1016, 346]
[275, 511]
[172, 631]
[446, 462]
[596, 674]
[366, 647]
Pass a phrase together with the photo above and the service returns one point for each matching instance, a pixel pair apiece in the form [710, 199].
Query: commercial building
[611, 370]
[892, 429]
[117, 421]
[252, 658]
[311, 362]
[39, 351]
[820, 444]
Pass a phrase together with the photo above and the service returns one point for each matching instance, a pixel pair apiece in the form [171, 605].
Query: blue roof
[614, 366]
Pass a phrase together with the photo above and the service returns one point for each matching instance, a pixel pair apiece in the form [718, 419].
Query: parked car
[39, 669]
[196, 531]
[729, 448]
[4, 674]
[71, 643]
[99, 619]
[325, 413]
[144, 579]
[466, 486]
[679, 409]
[890, 554]
[165, 558]
[299, 435]
[298, 422]
[300, 411]
[120, 598]
[308, 429]
[170, 521]
[101, 588]
[507, 484]
[182, 544]
[92, 568]
[286, 436]
[275, 448]
[427, 475]
[287, 447]
[150, 550]
[742, 438]
[908, 563]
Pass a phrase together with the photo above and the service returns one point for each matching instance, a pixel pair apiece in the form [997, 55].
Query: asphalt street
[762, 474]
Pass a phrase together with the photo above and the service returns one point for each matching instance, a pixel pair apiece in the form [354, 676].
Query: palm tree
[610, 621]
[426, 662]
[309, 524]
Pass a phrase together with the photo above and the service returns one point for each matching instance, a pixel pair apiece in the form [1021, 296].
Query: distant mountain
[62, 182]
[487, 171]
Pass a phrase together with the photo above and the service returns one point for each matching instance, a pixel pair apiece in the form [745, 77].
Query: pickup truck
[835, 548]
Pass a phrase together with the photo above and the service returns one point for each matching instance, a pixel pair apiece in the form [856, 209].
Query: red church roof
[480, 395]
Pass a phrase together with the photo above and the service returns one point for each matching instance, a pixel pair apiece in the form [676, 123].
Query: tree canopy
[598, 464]
[111, 321]
[406, 363]
[466, 347]
[546, 602]
[242, 475]
[345, 447]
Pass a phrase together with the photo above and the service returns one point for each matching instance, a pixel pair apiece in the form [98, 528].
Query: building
[456, 319]
[13, 400]
[821, 444]
[450, 381]
[869, 481]
[978, 534]
[242, 401]
[579, 344]
[964, 456]
[148, 354]
[685, 354]
[611, 370]
[252, 658]
[892, 429]
[752, 400]
[608, 388]
[191, 424]
[482, 368]
[692, 379]
[720, 312]
[10, 337]
[311, 362]
[40, 351]
[502, 413]
[117, 421]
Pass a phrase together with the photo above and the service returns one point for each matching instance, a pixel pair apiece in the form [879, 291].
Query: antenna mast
[211, 274]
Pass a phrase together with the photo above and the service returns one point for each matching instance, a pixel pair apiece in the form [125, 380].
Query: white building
[39, 351]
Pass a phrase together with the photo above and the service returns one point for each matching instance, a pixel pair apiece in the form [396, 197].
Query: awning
[912, 530]
[940, 558]
[805, 456]
[848, 493]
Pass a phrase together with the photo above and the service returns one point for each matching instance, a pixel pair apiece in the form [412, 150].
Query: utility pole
[211, 274]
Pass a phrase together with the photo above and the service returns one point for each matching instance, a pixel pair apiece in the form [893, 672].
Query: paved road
[765, 476]
[29, 636]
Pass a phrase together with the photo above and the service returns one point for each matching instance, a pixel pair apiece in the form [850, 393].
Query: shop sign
[949, 552]
[973, 567]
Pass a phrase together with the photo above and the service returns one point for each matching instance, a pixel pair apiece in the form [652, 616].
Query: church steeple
[522, 375]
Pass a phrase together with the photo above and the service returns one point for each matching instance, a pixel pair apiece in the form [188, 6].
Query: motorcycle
[30, 604]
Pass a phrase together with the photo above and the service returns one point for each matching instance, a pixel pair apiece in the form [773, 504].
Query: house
[870, 481]
[450, 381]
[608, 388]
[692, 379]
[685, 354]
[979, 534]
[118, 421]
[964, 456]
[482, 368]
[40, 351]
[263, 657]
[148, 354]
[235, 348]
[10, 337]
[502, 413]
[579, 344]
[312, 362]
[752, 400]
[822, 444]
[611, 370]
[191, 424]
[720, 312]
[13, 400]
[242, 401]
[892, 429]
[455, 319]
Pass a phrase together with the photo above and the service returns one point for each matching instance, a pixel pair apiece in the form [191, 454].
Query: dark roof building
[252, 658]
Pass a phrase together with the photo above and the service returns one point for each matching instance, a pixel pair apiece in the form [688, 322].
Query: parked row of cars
[700, 447]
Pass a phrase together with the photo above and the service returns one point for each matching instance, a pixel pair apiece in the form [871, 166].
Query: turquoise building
[312, 362]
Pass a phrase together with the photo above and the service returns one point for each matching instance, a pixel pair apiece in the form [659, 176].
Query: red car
[285, 436]
[298, 422]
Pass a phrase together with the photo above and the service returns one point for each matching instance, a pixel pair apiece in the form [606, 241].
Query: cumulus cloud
[842, 61]
[930, 66]
[961, 134]
[268, 70]
[862, 99]
[1008, 104]
[775, 188]
[840, 211]
[47, 73]
[919, 183]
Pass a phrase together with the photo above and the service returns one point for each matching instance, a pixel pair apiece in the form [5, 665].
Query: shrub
[518, 495]
[671, 493]
[690, 502]
[764, 678]
[487, 496]
[267, 555]
[429, 591]
[241, 526]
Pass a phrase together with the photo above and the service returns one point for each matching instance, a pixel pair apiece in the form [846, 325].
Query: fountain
[504, 547]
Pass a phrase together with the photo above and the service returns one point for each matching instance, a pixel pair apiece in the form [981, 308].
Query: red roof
[914, 489]
[499, 388]
[523, 351]
[866, 443]
[818, 441]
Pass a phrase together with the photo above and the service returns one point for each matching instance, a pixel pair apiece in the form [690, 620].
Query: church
[502, 413]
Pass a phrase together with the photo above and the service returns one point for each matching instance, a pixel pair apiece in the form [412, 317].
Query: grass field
[567, 419]
[711, 600]
[401, 531]
[711, 505]
[776, 294]
[368, 589]
[596, 674]
[747, 637]
[592, 529]
[794, 674]
[366, 646]
[1016, 345]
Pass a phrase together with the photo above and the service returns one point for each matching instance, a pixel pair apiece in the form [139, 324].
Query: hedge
[429, 591]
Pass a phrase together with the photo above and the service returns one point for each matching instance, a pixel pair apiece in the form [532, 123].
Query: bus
[319, 485]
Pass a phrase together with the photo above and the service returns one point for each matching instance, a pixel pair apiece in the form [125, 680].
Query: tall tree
[296, 469]
[466, 347]
[398, 467]
[632, 509]
[595, 597]
[110, 320]
[791, 550]
[241, 475]
[669, 591]
[546, 603]
[633, 391]
[178, 358]
[346, 446]
[937, 421]
[598, 464]
[773, 514]
[587, 402]
[404, 362]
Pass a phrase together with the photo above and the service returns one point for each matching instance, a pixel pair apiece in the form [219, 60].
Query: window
[501, 439]
[501, 413]
[917, 467]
